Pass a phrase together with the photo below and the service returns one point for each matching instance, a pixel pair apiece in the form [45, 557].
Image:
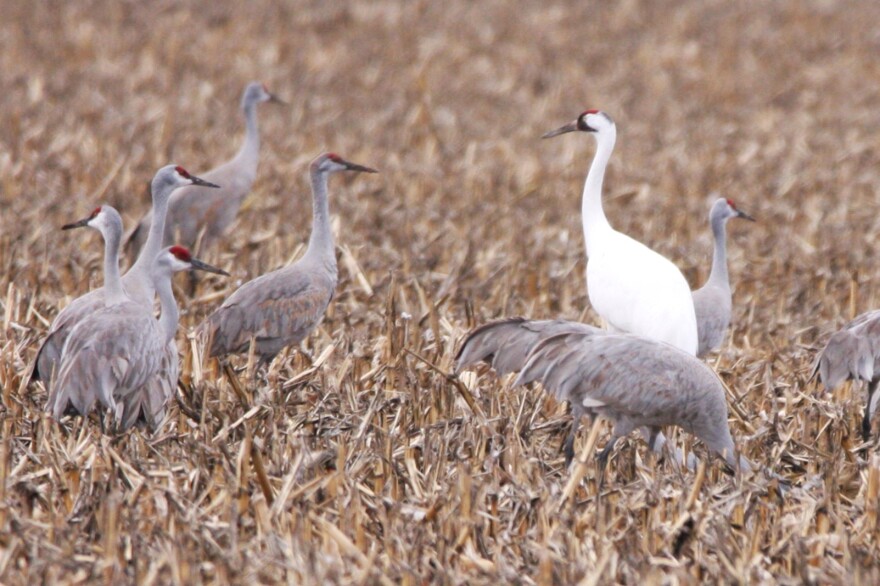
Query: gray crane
[193, 210]
[853, 353]
[713, 301]
[112, 354]
[137, 281]
[281, 308]
[633, 381]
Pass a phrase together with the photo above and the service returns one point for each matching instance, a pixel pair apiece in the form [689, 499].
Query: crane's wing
[851, 352]
[146, 404]
[117, 348]
[284, 305]
[506, 343]
[49, 355]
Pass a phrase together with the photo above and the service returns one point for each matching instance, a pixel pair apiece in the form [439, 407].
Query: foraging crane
[194, 209]
[853, 353]
[712, 301]
[281, 308]
[633, 381]
[137, 281]
[632, 288]
[112, 354]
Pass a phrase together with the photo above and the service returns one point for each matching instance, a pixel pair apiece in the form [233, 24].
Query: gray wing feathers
[147, 403]
[505, 344]
[49, 354]
[851, 353]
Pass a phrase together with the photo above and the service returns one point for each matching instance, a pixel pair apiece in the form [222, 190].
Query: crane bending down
[137, 281]
[112, 354]
[281, 308]
[633, 381]
[713, 301]
[853, 353]
[632, 288]
[193, 209]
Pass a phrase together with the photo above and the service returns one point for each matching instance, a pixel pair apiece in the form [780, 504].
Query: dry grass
[369, 466]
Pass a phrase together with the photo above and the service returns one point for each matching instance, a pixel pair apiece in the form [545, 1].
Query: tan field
[360, 461]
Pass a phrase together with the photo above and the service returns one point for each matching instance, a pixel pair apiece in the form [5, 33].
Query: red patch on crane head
[182, 172]
[265, 88]
[585, 112]
[334, 157]
[181, 253]
[95, 212]
[731, 204]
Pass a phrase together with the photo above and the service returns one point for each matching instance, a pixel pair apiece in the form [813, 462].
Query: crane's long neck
[595, 222]
[718, 276]
[113, 291]
[141, 269]
[250, 149]
[321, 241]
[170, 314]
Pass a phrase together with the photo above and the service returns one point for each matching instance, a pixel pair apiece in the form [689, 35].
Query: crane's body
[281, 308]
[713, 302]
[194, 210]
[633, 288]
[633, 381]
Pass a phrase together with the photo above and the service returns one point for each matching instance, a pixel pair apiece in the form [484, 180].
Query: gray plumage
[282, 307]
[110, 357]
[137, 281]
[633, 381]
[194, 209]
[713, 301]
[854, 353]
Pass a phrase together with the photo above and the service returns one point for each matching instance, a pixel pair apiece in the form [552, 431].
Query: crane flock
[643, 371]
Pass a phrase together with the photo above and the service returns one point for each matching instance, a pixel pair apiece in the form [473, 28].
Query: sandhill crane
[632, 288]
[633, 381]
[194, 210]
[113, 353]
[137, 281]
[712, 301]
[854, 353]
[282, 307]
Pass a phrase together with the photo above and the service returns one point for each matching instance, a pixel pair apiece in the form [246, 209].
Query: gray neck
[142, 266]
[719, 276]
[170, 314]
[321, 241]
[113, 292]
[251, 147]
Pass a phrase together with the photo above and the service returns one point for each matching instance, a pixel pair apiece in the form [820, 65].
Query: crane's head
[170, 177]
[178, 258]
[332, 163]
[724, 209]
[103, 219]
[257, 93]
[588, 121]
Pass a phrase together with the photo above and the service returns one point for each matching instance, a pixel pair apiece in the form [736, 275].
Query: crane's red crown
[95, 212]
[183, 172]
[181, 253]
[585, 112]
[334, 157]
[731, 204]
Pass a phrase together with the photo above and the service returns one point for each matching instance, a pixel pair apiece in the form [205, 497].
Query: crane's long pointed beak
[202, 182]
[203, 266]
[79, 224]
[745, 216]
[276, 100]
[359, 168]
[570, 127]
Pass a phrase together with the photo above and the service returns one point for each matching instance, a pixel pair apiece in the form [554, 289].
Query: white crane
[281, 308]
[633, 381]
[713, 301]
[193, 210]
[137, 281]
[632, 288]
[853, 353]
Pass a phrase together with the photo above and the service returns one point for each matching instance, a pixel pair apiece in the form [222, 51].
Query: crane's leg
[866, 421]
[602, 458]
[568, 446]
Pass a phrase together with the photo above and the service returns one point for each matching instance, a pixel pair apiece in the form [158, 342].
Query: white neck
[595, 222]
